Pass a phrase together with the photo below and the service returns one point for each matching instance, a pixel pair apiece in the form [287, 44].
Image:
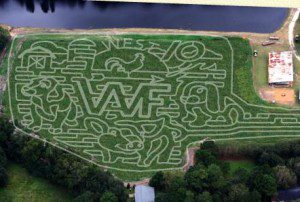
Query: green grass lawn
[24, 187]
[236, 164]
[255, 141]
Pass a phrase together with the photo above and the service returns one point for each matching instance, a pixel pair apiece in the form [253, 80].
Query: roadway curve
[291, 32]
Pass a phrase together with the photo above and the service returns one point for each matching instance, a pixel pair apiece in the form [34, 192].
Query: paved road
[291, 31]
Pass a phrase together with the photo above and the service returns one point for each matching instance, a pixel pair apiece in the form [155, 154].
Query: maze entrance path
[133, 102]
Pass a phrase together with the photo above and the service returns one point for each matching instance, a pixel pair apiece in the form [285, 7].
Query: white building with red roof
[281, 71]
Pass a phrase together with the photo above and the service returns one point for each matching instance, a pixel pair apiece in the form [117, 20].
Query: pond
[88, 14]
[289, 194]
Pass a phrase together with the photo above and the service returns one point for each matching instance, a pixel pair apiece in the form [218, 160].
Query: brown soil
[141, 182]
[191, 158]
[284, 96]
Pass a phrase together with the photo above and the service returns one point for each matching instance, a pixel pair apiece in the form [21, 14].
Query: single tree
[204, 197]
[285, 177]
[205, 157]
[108, 197]
[241, 175]
[238, 192]
[196, 178]
[3, 177]
[271, 159]
[158, 181]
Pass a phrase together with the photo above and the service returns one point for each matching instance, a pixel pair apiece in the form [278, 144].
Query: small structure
[267, 43]
[297, 38]
[144, 193]
[281, 68]
[275, 38]
[255, 53]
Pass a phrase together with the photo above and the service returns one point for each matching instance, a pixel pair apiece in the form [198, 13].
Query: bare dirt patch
[191, 158]
[284, 96]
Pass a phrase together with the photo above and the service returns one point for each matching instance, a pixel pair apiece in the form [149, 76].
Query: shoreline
[292, 30]
[252, 36]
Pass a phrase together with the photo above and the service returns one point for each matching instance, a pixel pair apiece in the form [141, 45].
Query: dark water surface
[86, 14]
[289, 195]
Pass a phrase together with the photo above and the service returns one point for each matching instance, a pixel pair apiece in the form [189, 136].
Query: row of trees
[210, 179]
[5, 128]
[4, 38]
[50, 5]
[85, 181]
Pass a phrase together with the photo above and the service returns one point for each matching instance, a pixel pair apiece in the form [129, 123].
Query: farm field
[24, 187]
[134, 103]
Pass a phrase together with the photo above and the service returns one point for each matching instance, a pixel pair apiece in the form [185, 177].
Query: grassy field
[133, 103]
[255, 141]
[24, 187]
[236, 164]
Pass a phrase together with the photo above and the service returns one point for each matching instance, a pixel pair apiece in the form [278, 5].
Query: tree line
[50, 5]
[85, 181]
[210, 179]
[4, 38]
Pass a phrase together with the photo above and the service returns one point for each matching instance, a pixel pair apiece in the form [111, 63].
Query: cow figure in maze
[204, 86]
[204, 106]
[49, 104]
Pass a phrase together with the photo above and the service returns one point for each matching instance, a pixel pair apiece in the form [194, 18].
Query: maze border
[187, 146]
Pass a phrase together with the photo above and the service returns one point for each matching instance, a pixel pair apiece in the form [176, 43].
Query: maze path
[135, 104]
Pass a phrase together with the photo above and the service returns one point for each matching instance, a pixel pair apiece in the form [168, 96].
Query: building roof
[281, 67]
[144, 193]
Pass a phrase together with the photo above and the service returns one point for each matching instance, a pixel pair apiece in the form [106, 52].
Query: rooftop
[144, 193]
[281, 67]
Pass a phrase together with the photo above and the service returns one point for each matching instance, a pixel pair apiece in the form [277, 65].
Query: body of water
[87, 14]
[289, 195]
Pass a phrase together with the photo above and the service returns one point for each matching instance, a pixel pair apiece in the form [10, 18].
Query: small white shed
[144, 193]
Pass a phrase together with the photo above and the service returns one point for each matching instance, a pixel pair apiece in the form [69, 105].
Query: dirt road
[291, 31]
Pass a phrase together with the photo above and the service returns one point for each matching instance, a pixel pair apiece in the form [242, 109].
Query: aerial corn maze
[135, 103]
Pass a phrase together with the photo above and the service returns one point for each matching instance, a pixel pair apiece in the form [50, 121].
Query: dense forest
[4, 38]
[210, 179]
